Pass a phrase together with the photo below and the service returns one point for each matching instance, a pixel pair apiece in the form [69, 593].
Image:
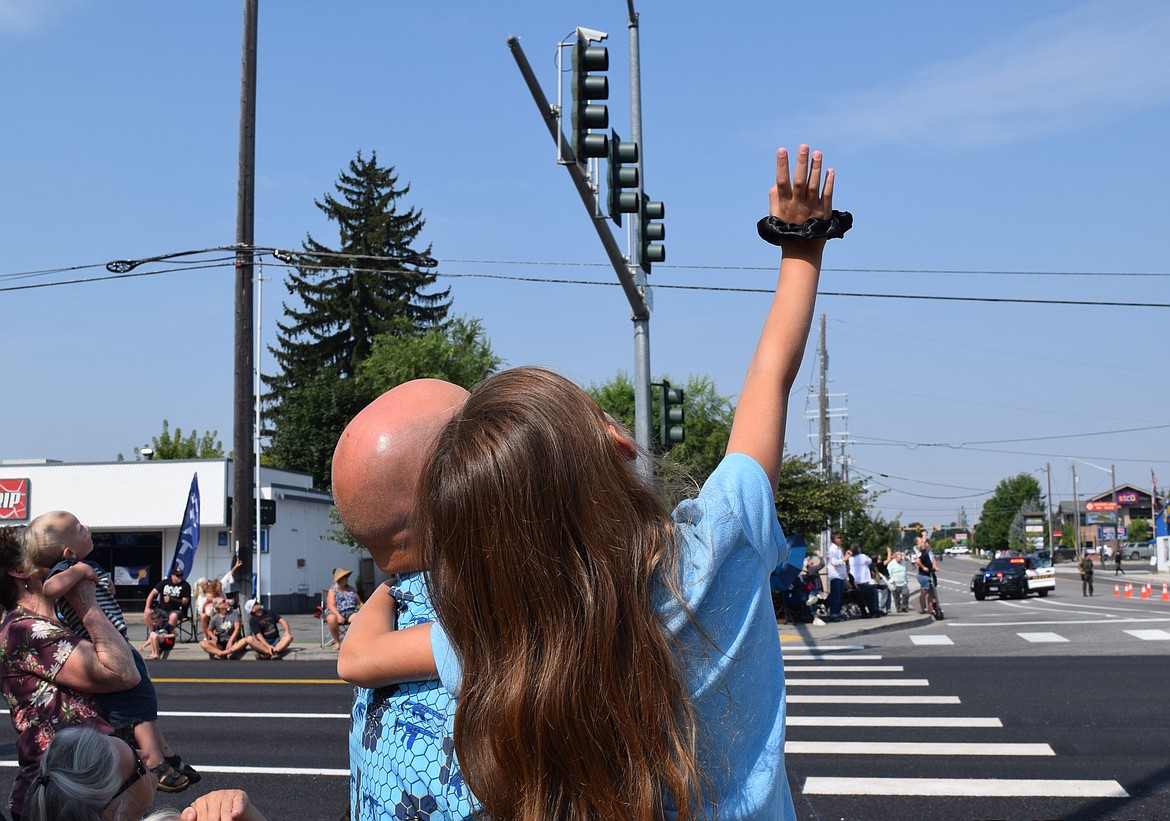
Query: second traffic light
[589, 86]
[651, 233]
[619, 174]
[670, 427]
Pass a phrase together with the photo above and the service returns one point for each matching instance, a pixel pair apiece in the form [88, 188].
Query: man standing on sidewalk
[1086, 565]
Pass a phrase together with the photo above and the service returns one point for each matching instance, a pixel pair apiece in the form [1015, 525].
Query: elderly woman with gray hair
[87, 776]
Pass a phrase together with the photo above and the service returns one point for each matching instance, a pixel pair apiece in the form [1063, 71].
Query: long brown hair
[547, 555]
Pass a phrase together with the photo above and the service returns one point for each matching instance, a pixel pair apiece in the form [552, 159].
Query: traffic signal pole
[640, 313]
[642, 407]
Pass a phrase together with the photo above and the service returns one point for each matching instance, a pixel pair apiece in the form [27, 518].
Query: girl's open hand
[803, 195]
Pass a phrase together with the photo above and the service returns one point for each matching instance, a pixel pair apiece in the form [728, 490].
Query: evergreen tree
[350, 300]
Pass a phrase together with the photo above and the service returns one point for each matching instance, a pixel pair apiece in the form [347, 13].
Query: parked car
[957, 550]
[1015, 576]
[1138, 550]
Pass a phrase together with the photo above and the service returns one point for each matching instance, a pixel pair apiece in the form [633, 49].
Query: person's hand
[796, 198]
[222, 805]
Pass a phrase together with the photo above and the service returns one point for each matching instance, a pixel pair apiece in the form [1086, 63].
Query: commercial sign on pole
[1101, 506]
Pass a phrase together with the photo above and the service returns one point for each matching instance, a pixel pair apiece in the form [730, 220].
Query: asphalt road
[1080, 683]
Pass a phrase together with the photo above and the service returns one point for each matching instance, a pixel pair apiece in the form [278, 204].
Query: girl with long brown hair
[613, 660]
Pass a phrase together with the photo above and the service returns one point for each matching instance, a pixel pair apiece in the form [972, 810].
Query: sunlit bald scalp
[377, 461]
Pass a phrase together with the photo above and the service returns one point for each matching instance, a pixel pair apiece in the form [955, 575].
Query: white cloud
[22, 17]
[1061, 73]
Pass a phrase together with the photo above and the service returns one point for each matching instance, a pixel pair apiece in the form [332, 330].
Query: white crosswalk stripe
[924, 641]
[1042, 638]
[890, 712]
[1150, 635]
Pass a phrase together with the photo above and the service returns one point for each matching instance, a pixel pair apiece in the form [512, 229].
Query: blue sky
[1023, 142]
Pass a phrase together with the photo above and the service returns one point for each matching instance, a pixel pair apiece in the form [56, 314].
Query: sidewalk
[832, 631]
[306, 630]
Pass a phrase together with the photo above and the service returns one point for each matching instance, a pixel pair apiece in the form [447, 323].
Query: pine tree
[348, 301]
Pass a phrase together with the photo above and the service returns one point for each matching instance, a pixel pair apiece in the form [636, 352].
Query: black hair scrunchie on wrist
[775, 231]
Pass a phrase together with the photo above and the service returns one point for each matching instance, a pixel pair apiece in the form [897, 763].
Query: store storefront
[135, 511]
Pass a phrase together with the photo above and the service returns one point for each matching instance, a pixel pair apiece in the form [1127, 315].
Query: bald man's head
[377, 463]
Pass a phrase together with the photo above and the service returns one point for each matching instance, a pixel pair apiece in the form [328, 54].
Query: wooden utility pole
[244, 393]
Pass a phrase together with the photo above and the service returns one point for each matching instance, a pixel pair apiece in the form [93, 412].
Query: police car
[1014, 576]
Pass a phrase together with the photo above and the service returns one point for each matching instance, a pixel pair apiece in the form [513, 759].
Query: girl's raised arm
[758, 429]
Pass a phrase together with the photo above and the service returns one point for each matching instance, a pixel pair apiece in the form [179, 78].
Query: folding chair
[188, 630]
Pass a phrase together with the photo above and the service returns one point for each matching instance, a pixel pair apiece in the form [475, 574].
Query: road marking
[893, 721]
[832, 648]
[992, 787]
[197, 714]
[926, 640]
[873, 699]
[237, 769]
[843, 668]
[856, 682]
[1034, 623]
[1042, 638]
[833, 656]
[1150, 635]
[248, 681]
[915, 748]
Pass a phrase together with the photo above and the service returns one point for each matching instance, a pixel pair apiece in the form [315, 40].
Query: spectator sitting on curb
[161, 636]
[264, 632]
[224, 640]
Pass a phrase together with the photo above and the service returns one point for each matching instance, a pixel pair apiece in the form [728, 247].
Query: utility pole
[1116, 514]
[642, 406]
[823, 404]
[244, 394]
[1051, 543]
[1076, 515]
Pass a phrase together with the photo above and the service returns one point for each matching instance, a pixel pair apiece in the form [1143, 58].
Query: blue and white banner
[132, 574]
[189, 532]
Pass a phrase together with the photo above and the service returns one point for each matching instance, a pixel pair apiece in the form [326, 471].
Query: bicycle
[932, 595]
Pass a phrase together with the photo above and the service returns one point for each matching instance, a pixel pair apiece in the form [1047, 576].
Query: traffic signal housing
[620, 175]
[670, 427]
[651, 233]
[588, 85]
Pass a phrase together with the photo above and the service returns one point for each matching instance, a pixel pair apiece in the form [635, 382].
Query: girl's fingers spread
[814, 175]
[800, 179]
[782, 183]
[827, 195]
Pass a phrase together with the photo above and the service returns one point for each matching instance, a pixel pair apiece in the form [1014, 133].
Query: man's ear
[627, 447]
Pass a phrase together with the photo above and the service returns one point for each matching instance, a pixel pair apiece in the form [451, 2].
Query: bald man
[401, 751]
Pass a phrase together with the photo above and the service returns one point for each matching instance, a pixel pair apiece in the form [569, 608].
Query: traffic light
[650, 233]
[619, 175]
[670, 429]
[587, 87]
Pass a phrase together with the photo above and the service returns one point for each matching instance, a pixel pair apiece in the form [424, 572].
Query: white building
[135, 510]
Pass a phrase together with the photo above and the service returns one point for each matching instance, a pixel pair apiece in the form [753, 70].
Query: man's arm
[374, 654]
[758, 428]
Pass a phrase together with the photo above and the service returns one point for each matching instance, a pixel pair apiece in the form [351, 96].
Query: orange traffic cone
[1128, 590]
[1146, 591]
[1117, 590]
[1165, 592]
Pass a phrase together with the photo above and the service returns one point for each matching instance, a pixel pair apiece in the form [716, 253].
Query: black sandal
[176, 762]
[170, 779]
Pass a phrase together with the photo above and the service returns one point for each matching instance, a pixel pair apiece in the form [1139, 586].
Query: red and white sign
[13, 499]
[1092, 506]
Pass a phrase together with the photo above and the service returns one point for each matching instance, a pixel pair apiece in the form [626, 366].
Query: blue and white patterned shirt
[401, 742]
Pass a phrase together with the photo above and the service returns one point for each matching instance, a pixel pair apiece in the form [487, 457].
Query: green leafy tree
[871, 531]
[458, 351]
[175, 445]
[1140, 531]
[806, 504]
[708, 422]
[312, 418]
[349, 301]
[1010, 497]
